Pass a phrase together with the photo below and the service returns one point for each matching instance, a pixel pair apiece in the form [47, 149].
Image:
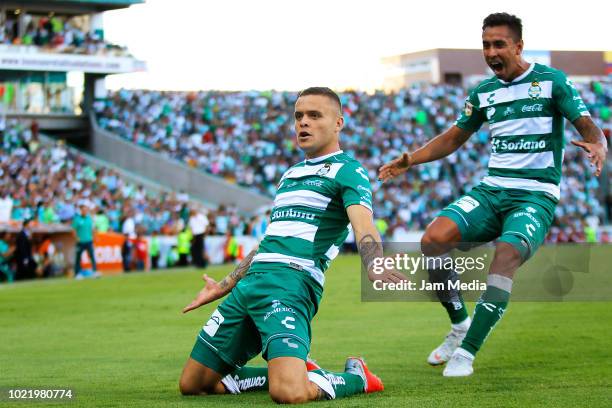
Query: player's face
[317, 125]
[501, 52]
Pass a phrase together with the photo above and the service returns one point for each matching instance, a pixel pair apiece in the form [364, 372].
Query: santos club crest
[324, 170]
[534, 90]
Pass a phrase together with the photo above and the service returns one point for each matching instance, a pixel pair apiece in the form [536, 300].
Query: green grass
[121, 342]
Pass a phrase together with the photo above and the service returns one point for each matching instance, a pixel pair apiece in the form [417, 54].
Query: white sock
[463, 326]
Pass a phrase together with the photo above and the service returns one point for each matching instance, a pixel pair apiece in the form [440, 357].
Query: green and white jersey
[309, 223]
[526, 120]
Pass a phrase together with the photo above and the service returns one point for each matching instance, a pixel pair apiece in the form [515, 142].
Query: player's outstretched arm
[214, 290]
[595, 143]
[438, 147]
[369, 243]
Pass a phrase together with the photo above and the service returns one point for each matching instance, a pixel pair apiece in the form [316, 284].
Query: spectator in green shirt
[101, 221]
[83, 228]
[154, 250]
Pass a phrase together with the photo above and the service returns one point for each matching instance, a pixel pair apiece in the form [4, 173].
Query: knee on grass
[284, 394]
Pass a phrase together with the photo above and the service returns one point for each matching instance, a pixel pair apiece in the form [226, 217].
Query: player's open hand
[388, 276]
[395, 167]
[211, 292]
[596, 154]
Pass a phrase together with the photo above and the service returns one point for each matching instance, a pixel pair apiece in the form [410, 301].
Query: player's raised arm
[437, 148]
[595, 143]
[214, 290]
[369, 243]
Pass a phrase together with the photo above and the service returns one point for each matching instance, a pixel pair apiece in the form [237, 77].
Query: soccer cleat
[311, 365]
[357, 366]
[460, 364]
[444, 351]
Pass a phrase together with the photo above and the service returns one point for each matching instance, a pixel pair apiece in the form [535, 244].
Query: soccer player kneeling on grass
[275, 291]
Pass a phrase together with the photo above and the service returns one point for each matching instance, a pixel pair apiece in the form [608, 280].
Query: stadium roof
[70, 6]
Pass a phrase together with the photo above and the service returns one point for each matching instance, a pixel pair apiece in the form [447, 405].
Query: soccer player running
[275, 291]
[525, 106]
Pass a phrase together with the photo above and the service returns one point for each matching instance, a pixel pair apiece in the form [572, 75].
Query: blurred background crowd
[247, 138]
[54, 33]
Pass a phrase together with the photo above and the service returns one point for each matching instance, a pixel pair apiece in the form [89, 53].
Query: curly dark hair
[504, 19]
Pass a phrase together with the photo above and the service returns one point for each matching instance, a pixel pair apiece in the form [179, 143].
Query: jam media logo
[535, 90]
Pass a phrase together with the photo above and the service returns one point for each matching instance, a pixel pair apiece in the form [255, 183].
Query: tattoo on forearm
[369, 249]
[589, 130]
[243, 266]
[239, 272]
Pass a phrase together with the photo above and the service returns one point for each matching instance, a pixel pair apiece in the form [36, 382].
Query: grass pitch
[121, 342]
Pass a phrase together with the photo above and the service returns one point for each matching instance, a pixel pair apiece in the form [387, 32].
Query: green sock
[344, 384]
[456, 310]
[246, 379]
[489, 309]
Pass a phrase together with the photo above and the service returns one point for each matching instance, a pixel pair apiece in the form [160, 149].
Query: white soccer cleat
[444, 351]
[460, 364]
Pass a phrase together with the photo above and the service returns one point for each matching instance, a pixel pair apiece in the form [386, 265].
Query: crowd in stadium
[49, 184]
[246, 137]
[57, 34]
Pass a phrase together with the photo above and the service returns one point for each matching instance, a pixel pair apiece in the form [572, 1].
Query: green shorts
[267, 312]
[518, 217]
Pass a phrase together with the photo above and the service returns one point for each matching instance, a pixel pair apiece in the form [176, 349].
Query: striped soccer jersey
[309, 222]
[526, 121]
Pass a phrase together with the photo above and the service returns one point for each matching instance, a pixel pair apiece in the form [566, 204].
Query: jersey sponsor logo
[490, 112]
[362, 188]
[286, 320]
[334, 379]
[499, 146]
[528, 215]
[250, 382]
[467, 204]
[291, 213]
[324, 170]
[277, 307]
[535, 90]
[212, 325]
[491, 99]
[509, 111]
[530, 229]
[536, 107]
[361, 172]
[531, 210]
[313, 183]
[467, 108]
[289, 343]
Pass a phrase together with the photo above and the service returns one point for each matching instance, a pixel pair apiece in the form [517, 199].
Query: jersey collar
[321, 158]
[520, 77]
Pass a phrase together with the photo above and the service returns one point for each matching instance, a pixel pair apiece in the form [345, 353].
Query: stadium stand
[48, 183]
[246, 138]
[61, 34]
